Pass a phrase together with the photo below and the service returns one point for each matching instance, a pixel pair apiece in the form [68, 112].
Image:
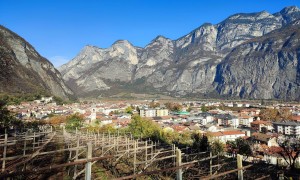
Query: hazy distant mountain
[23, 70]
[194, 64]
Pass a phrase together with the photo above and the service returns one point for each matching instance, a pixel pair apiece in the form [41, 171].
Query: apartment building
[153, 112]
[287, 128]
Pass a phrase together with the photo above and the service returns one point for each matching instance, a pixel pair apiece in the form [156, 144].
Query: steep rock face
[200, 42]
[264, 68]
[179, 67]
[85, 72]
[240, 27]
[23, 70]
[288, 14]
[158, 53]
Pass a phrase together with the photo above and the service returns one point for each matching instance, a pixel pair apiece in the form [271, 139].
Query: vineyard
[58, 154]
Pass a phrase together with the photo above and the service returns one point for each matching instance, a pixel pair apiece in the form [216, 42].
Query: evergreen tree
[7, 120]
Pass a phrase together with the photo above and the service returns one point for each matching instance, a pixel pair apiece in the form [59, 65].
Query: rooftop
[287, 123]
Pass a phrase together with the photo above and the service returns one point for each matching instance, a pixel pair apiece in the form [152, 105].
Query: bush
[74, 121]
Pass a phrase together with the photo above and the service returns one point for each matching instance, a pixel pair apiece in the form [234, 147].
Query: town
[263, 125]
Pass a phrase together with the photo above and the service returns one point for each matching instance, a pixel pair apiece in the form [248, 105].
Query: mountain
[191, 65]
[23, 70]
[266, 67]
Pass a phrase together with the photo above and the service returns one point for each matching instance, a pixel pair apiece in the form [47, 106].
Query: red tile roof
[224, 133]
[296, 118]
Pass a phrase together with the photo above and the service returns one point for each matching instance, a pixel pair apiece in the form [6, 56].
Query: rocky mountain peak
[123, 49]
[88, 49]
[248, 17]
[160, 42]
[160, 38]
[289, 10]
[263, 15]
[288, 14]
[123, 44]
[191, 64]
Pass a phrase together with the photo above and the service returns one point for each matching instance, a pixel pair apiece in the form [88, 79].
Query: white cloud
[58, 60]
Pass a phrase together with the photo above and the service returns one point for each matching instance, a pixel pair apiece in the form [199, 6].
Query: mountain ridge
[23, 70]
[183, 66]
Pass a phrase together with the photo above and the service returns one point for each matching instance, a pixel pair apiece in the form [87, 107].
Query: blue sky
[59, 29]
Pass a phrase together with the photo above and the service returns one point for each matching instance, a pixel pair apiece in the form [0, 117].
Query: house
[259, 125]
[162, 112]
[225, 136]
[287, 128]
[202, 118]
[147, 112]
[121, 122]
[227, 120]
[105, 120]
[154, 112]
[210, 128]
[180, 128]
[250, 112]
[46, 99]
[106, 111]
[194, 128]
[267, 139]
[245, 120]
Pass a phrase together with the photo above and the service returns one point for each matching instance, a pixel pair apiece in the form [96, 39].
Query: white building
[287, 128]
[225, 136]
[246, 120]
[153, 112]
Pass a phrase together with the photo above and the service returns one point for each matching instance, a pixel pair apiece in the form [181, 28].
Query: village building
[260, 125]
[287, 128]
[154, 112]
[225, 136]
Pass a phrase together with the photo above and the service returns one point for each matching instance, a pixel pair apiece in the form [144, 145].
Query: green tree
[200, 143]
[143, 128]
[5, 116]
[33, 125]
[108, 128]
[184, 139]
[244, 147]
[129, 110]
[231, 147]
[137, 109]
[204, 108]
[239, 146]
[170, 137]
[217, 147]
[58, 100]
[74, 121]
[7, 119]
[116, 112]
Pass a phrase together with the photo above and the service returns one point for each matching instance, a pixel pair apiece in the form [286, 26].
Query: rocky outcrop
[191, 64]
[263, 68]
[23, 70]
